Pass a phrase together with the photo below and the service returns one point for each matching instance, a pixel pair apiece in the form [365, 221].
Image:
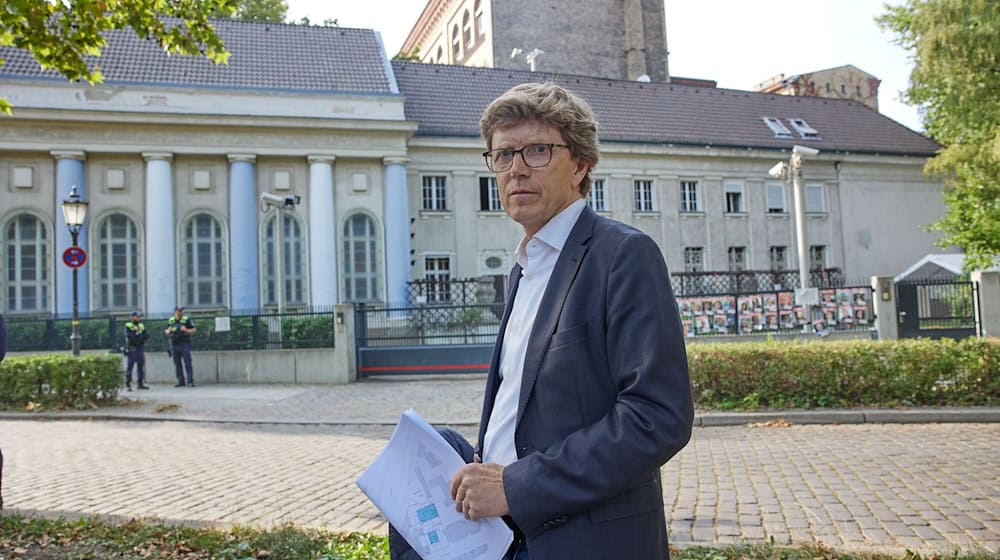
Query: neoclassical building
[174, 153]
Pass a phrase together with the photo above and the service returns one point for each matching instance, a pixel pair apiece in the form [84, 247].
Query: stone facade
[604, 38]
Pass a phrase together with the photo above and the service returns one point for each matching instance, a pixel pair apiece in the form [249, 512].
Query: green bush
[307, 331]
[917, 372]
[59, 381]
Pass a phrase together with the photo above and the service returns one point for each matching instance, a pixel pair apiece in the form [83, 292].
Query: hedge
[817, 374]
[58, 381]
[917, 372]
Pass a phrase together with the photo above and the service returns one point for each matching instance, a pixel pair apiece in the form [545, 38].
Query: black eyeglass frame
[488, 156]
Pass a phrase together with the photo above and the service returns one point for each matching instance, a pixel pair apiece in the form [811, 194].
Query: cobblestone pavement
[925, 487]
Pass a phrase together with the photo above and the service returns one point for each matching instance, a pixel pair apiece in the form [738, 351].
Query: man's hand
[477, 489]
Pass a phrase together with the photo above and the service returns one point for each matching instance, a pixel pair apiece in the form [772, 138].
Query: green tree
[274, 11]
[955, 47]
[60, 35]
[413, 55]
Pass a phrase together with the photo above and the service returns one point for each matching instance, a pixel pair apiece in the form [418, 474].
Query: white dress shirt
[537, 256]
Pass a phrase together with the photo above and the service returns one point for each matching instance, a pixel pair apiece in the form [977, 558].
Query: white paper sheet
[410, 483]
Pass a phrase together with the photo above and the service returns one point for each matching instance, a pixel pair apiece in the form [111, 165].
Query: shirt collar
[556, 231]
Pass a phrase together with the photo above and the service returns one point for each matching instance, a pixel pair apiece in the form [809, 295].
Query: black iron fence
[426, 324]
[217, 330]
[705, 306]
[847, 308]
[752, 281]
[937, 308]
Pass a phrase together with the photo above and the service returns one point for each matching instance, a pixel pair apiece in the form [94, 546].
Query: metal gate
[937, 308]
[425, 339]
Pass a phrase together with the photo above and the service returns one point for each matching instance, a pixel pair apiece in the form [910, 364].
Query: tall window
[360, 259]
[435, 193]
[203, 277]
[814, 199]
[467, 31]
[694, 259]
[817, 256]
[292, 258]
[734, 198]
[596, 198]
[690, 199]
[27, 264]
[737, 258]
[437, 272]
[779, 257]
[480, 30]
[489, 195]
[643, 195]
[117, 263]
[456, 44]
[775, 198]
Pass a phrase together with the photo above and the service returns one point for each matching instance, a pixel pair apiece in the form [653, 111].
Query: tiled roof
[448, 101]
[264, 56]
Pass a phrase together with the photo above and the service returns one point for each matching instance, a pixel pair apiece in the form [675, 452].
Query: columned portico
[322, 232]
[397, 230]
[243, 272]
[161, 234]
[70, 173]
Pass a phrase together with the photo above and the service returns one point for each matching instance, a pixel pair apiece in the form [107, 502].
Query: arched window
[361, 262]
[292, 280]
[467, 31]
[480, 29]
[27, 278]
[203, 262]
[456, 44]
[440, 56]
[116, 263]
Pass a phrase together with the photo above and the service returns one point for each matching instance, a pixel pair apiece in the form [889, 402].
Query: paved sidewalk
[265, 455]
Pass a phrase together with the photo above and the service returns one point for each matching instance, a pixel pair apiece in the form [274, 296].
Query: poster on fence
[771, 311]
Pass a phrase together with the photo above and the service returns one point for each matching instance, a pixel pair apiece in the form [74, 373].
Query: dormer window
[805, 131]
[777, 127]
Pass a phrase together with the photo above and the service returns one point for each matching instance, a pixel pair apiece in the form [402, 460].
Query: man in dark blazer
[588, 392]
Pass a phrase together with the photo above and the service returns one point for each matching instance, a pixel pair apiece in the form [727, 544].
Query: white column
[397, 230]
[323, 285]
[987, 306]
[161, 234]
[243, 269]
[884, 305]
[70, 173]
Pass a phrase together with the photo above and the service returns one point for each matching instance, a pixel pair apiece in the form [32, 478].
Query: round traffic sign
[75, 257]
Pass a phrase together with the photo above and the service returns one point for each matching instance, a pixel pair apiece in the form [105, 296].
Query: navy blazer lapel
[550, 308]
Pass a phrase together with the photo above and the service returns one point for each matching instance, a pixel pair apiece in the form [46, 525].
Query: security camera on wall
[777, 170]
[277, 201]
[804, 150]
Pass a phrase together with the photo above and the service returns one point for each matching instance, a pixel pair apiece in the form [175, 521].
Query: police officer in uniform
[179, 329]
[135, 339]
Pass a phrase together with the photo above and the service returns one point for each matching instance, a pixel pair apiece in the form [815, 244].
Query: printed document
[410, 483]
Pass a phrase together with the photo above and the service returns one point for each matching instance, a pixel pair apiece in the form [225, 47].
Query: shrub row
[59, 381]
[918, 372]
[723, 376]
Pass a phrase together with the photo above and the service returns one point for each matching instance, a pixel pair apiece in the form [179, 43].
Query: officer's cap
[137, 313]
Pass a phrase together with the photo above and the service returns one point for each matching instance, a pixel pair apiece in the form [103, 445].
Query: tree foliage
[62, 34]
[273, 11]
[413, 55]
[955, 46]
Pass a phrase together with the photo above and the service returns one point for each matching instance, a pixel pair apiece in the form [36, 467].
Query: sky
[755, 40]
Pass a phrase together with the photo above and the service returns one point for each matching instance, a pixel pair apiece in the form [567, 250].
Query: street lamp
[74, 211]
[791, 172]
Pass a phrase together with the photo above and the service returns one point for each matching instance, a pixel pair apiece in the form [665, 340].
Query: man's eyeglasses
[533, 155]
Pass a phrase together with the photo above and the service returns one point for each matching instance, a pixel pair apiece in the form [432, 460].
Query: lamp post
[74, 211]
[791, 172]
